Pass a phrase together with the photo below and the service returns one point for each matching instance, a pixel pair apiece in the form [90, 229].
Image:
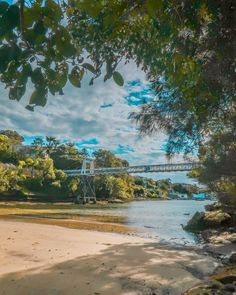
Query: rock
[222, 237]
[212, 207]
[232, 237]
[232, 258]
[222, 283]
[228, 279]
[209, 219]
[216, 218]
[196, 223]
[230, 288]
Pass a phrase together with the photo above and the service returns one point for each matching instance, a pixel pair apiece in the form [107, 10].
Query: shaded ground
[41, 259]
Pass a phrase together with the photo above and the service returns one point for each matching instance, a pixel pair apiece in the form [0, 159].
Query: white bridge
[86, 191]
[175, 167]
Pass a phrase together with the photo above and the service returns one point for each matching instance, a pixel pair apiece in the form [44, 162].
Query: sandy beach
[41, 259]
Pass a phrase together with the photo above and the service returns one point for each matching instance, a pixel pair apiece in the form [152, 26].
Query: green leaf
[57, 78]
[89, 67]
[63, 43]
[30, 16]
[12, 67]
[93, 8]
[27, 69]
[3, 7]
[118, 78]
[39, 28]
[37, 76]
[76, 76]
[53, 10]
[9, 20]
[39, 97]
[4, 58]
[61, 80]
[153, 6]
[17, 92]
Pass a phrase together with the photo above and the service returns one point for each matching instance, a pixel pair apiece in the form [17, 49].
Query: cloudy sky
[94, 117]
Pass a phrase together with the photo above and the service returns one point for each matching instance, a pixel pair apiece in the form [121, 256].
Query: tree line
[36, 171]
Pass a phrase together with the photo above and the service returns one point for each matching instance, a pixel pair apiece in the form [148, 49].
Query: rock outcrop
[223, 283]
[211, 219]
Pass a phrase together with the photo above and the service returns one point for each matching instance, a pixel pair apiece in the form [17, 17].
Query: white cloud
[77, 116]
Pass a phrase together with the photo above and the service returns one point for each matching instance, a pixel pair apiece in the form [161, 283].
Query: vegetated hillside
[36, 171]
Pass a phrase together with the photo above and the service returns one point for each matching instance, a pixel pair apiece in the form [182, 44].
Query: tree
[67, 156]
[15, 137]
[107, 187]
[40, 34]
[182, 54]
[218, 157]
[7, 153]
[84, 152]
[10, 179]
[38, 142]
[192, 74]
[52, 143]
[105, 158]
[186, 48]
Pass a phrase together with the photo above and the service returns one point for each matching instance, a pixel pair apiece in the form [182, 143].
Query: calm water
[162, 219]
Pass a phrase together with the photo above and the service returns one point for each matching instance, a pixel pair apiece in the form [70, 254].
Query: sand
[39, 259]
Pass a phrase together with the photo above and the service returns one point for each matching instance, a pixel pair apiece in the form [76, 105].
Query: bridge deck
[137, 169]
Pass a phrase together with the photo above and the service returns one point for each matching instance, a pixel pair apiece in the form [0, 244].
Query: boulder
[212, 207]
[232, 259]
[213, 219]
[223, 282]
[216, 218]
[196, 223]
[222, 237]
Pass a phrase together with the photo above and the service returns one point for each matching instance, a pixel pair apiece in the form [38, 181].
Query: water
[163, 219]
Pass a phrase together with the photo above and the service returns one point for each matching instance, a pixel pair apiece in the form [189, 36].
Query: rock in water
[212, 219]
[196, 223]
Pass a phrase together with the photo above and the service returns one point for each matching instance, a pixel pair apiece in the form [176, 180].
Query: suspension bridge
[86, 192]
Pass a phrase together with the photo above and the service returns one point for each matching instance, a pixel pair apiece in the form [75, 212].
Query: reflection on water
[163, 219]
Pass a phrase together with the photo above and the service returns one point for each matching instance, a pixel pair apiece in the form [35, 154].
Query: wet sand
[48, 259]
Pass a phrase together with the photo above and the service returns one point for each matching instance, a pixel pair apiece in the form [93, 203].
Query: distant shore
[48, 259]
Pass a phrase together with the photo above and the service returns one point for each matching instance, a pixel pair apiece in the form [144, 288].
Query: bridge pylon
[86, 191]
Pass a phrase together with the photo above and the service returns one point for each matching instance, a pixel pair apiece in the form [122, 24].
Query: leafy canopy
[186, 48]
[38, 44]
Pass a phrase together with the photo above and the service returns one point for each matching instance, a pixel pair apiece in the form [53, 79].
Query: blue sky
[94, 117]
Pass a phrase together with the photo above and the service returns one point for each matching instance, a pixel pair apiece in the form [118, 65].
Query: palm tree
[52, 143]
[38, 142]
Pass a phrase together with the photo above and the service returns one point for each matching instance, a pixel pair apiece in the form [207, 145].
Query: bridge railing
[174, 167]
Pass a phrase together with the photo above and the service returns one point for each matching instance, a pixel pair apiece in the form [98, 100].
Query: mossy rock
[212, 219]
[216, 218]
[196, 223]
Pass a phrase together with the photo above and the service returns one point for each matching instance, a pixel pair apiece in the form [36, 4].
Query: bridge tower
[86, 191]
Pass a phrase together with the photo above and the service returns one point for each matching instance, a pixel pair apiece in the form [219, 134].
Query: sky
[94, 117]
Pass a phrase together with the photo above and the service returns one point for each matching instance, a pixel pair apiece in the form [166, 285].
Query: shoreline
[36, 256]
[90, 217]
